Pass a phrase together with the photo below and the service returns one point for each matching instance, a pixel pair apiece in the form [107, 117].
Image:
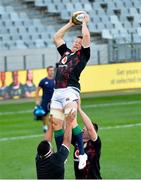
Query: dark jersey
[29, 88]
[92, 169]
[3, 92]
[53, 166]
[70, 66]
[15, 92]
[47, 86]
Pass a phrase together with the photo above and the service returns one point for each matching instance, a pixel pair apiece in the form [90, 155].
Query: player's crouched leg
[77, 135]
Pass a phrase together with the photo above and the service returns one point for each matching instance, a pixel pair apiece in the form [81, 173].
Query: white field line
[20, 137]
[84, 106]
[16, 112]
[120, 126]
[41, 135]
[112, 104]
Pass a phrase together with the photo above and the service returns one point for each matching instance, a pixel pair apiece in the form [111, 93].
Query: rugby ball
[78, 16]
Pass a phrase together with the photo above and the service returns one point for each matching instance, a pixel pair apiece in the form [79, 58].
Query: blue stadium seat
[106, 34]
[53, 13]
[65, 15]
[52, 8]
[87, 7]
[40, 3]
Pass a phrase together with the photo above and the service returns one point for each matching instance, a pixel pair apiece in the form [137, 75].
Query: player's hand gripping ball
[78, 16]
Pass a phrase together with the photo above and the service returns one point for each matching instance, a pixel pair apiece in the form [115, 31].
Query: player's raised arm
[58, 37]
[37, 98]
[49, 134]
[85, 32]
[68, 131]
[86, 120]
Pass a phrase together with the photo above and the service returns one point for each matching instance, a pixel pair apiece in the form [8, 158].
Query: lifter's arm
[37, 98]
[88, 124]
[58, 37]
[85, 32]
[49, 134]
[68, 131]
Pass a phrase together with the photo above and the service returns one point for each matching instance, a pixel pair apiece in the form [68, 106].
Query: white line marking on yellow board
[84, 106]
[41, 135]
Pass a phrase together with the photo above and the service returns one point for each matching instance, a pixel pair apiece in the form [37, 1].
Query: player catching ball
[67, 86]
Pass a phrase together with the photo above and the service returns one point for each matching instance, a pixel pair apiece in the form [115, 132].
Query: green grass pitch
[119, 119]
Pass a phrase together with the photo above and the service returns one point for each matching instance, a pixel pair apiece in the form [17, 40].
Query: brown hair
[49, 67]
[95, 126]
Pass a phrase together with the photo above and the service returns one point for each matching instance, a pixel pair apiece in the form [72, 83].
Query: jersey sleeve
[86, 52]
[61, 155]
[97, 144]
[62, 49]
[41, 84]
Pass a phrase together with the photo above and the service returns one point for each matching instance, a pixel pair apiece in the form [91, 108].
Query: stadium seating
[31, 24]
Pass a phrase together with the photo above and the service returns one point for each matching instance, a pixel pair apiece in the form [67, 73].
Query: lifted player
[47, 86]
[67, 88]
[92, 146]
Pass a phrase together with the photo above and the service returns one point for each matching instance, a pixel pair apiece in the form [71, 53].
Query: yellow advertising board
[38, 74]
[93, 79]
[20, 84]
[111, 77]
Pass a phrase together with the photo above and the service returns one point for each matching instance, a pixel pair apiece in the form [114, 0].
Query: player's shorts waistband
[74, 88]
[69, 87]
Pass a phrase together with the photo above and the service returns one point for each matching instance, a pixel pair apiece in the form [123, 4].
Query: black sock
[59, 135]
[77, 133]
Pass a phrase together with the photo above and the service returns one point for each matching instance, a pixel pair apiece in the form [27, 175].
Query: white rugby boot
[82, 161]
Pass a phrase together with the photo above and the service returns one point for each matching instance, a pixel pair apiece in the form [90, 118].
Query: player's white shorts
[61, 97]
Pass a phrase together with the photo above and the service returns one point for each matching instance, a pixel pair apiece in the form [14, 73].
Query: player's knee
[66, 112]
[70, 107]
[57, 114]
[57, 124]
[74, 123]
